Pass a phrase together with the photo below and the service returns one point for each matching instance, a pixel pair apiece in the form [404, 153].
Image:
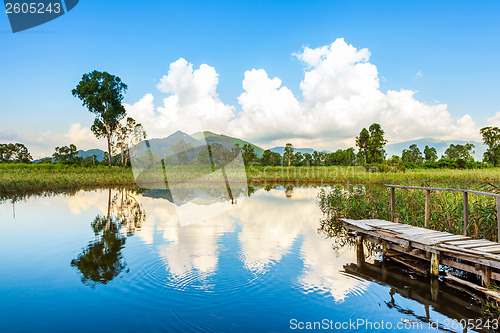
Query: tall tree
[102, 94]
[371, 144]
[288, 153]
[412, 155]
[127, 135]
[14, 152]
[376, 144]
[65, 154]
[362, 142]
[248, 154]
[430, 154]
[491, 138]
[464, 152]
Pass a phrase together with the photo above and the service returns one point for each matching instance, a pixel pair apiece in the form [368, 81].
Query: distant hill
[440, 145]
[97, 152]
[82, 153]
[226, 141]
[281, 150]
[199, 140]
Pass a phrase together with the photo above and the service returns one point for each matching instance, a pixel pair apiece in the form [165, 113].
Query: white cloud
[193, 104]
[82, 138]
[495, 120]
[340, 95]
[42, 145]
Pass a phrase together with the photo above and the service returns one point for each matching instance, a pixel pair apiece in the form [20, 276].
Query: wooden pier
[477, 256]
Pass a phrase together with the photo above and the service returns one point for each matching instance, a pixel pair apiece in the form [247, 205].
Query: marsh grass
[16, 179]
[446, 209]
[358, 175]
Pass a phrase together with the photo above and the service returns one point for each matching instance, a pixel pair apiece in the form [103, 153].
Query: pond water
[119, 261]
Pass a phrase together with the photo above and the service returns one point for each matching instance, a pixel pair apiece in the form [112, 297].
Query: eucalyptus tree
[248, 153]
[102, 94]
[430, 154]
[491, 138]
[127, 135]
[288, 154]
[412, 155]
[371, 144]
[65, 154]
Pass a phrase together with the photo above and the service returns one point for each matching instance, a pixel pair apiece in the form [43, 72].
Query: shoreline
[18, 179]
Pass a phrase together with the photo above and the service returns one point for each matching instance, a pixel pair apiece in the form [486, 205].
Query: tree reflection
[101, 261]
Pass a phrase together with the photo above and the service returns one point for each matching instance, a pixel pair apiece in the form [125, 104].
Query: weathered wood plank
[493, 294]
[489, 249]
[465, 242]
[357, 223]
[421, 231]
[449, 237]
[398, 228]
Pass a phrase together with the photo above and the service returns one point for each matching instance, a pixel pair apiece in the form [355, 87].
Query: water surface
[116, 260]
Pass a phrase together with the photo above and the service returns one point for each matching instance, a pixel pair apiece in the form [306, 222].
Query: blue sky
[453, 44]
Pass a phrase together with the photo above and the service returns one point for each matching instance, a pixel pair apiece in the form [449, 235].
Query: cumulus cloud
[340, 95]
[43, 144]
[82, 137]
[192, 105]
[495, 120]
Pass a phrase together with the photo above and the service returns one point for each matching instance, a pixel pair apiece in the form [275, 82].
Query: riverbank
[22, 178]
[25, 178]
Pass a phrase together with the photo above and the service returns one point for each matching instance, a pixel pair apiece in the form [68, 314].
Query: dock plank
[465, 242]
[489, 249]
[478, 244]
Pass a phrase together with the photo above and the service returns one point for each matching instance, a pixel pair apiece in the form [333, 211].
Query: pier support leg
[360, 253]
[485, 276]
[434, 289]
[434, 264]
[384, 250]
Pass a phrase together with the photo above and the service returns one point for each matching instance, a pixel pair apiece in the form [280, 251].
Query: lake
[113, 260]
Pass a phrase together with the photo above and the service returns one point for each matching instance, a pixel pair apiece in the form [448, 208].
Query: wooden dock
[478, 256]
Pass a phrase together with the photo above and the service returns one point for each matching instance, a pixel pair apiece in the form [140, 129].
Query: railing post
[466, 213]
[427, 207]
[498, 219]
[393, 205]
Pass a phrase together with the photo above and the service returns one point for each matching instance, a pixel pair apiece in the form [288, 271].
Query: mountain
[281, 150]
[82, 153]
[226, 141]
[440, 145]
[97, 152]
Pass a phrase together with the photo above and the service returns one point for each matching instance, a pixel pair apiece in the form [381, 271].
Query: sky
[313, 73]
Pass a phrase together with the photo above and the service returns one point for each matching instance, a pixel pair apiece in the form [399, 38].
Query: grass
[31, 178]
[37, 178]
[358, 175]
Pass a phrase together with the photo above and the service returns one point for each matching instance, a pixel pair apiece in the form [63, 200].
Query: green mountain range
[226, 141]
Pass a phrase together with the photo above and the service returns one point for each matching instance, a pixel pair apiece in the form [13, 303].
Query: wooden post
[434, 264]
[393, 204]
[384, 249]
[427, 207]
[485, 276]
[498, 218]
[466, 213]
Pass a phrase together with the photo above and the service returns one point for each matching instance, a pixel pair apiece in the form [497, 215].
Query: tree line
[102, 94]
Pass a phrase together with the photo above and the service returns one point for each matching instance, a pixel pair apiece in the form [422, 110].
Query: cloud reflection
[269, 226]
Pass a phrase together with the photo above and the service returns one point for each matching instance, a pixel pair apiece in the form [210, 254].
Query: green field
[29, 178]
[22, 178]
[358, 175]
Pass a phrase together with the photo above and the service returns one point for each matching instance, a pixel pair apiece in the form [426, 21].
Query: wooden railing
[428, 203]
